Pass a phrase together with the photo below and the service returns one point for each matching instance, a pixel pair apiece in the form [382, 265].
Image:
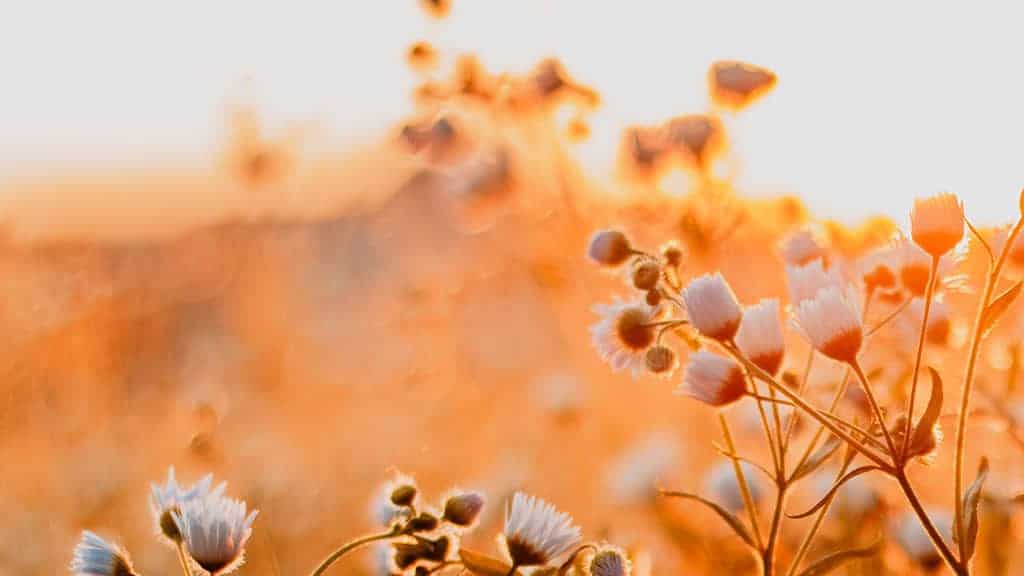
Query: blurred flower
[561, 393]
[610, 561]
[712, 307]
[166, 498]
[712, 379]
[831, 322]
[914, 266]
[937, 223]
[804, 282]
[535, 532]
[214, 530]
[878, 270]
[609, 248]
[633, 475]
[698, 137]
[94, 556]
[760, 336]
[735, 85]
[801, 247]
[912, 537]
[721, 485]
[623, 334]
[938, 330]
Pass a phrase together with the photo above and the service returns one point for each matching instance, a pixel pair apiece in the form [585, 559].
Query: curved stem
[874, 407]
[741, 479]
[352, 545]
[929, 526]
[805, 544]
[965, 398]
[929, 294]
[183, 559]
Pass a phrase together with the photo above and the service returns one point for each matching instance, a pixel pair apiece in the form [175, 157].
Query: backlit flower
[801, 247]
[805, 281]
[735, 85]
[535, 532]
[214, 530]
[831, 322]
[938, 330]
[94, 556]
[937, 223]
[760, 335]
[712, 307]
[712, 379]
[166, 498]
[623, 334]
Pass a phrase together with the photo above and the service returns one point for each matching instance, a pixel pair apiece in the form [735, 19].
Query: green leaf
[482, 564]
[730, 519]
[997, 308]
[970, 511]
[922, 434]
[833, 561]
[832, 491]
[817, 459]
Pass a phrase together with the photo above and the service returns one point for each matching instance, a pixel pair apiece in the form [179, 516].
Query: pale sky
[877, 102]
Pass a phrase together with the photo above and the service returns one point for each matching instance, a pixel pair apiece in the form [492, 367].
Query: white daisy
[712, 379]
[94, 556]
[166, 498]
[214, 530]
[937, 223]
[831, 323]
[536, 533]
[760, 336]
[712, 307]
[801, 247]
[623, 334]
[804, 282]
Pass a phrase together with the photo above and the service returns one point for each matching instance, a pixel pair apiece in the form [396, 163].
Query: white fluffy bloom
[94, 556]
[712, 379]
[801, 247]
[937, 223]
[760, 336]
[939, 321]
[215, 530]
[722, 487]
[712, 307]
[623, 334]
[915, 542]
[536, 533]
[804, 282]
[632, 475]
[831, 322]
[167, 497]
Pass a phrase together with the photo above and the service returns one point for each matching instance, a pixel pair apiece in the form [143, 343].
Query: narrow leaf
[970, 512]
[833, 561]
[998, 307]
[733, 522]
[721, 450]
[922, 434]
[832, 491]
[817, 459]
[482, 564]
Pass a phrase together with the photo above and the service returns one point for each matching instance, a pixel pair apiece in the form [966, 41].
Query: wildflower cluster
[736, 353]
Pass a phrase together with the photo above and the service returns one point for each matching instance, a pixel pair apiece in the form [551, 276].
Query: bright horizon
[147, 85]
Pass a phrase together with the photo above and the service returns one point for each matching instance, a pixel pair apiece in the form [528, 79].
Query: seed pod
[463, 509]
[646, 275]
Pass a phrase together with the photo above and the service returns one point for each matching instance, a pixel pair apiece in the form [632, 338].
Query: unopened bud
[423, 523]
[661, 360]
[463, 509]
[168, 527]
[646, 275]
[403, 495]
[653, 297]
[610, 248]
[673, 254]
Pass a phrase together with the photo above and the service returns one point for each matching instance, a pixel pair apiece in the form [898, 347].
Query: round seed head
[404, 495]
[661, 360]
[646, 275]
[653, 298]
[672, 254]
[610, 248]
[609, 561]
[463, 509]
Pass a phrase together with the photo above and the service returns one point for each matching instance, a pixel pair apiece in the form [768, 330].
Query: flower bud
[661, 360]
[646, 275]
[609, 248]
[423, 523]
[937, 223]
[463, 509]
[609, 561]
[403, 495]
[653, 298]
[672, 254]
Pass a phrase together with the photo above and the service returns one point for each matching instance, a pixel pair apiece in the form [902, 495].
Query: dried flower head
[804, 282]
[712, 379]
[609, 248]
[760, 336]
[535, 532]
[610, 561]
[463, 508]
[661, 360]
[94, 556]
[801, 247]
[646, 274]
[735, 85]
[712, 307]
[722, 486]
[624, 333]
[214, 530]
[166, 498]
[937, 223]
[915, 541]
[831, 322]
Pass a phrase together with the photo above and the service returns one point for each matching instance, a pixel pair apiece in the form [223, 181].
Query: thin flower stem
[773, 445]
[895, 312]
[741, 479]
[836, 398]
[183, 559]
[811, 410]
[768, 558]
[965, 398]
[874, 407]
[929, 526]
[352, 545]
[805, 544]
[791, 421]
[929, 294]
